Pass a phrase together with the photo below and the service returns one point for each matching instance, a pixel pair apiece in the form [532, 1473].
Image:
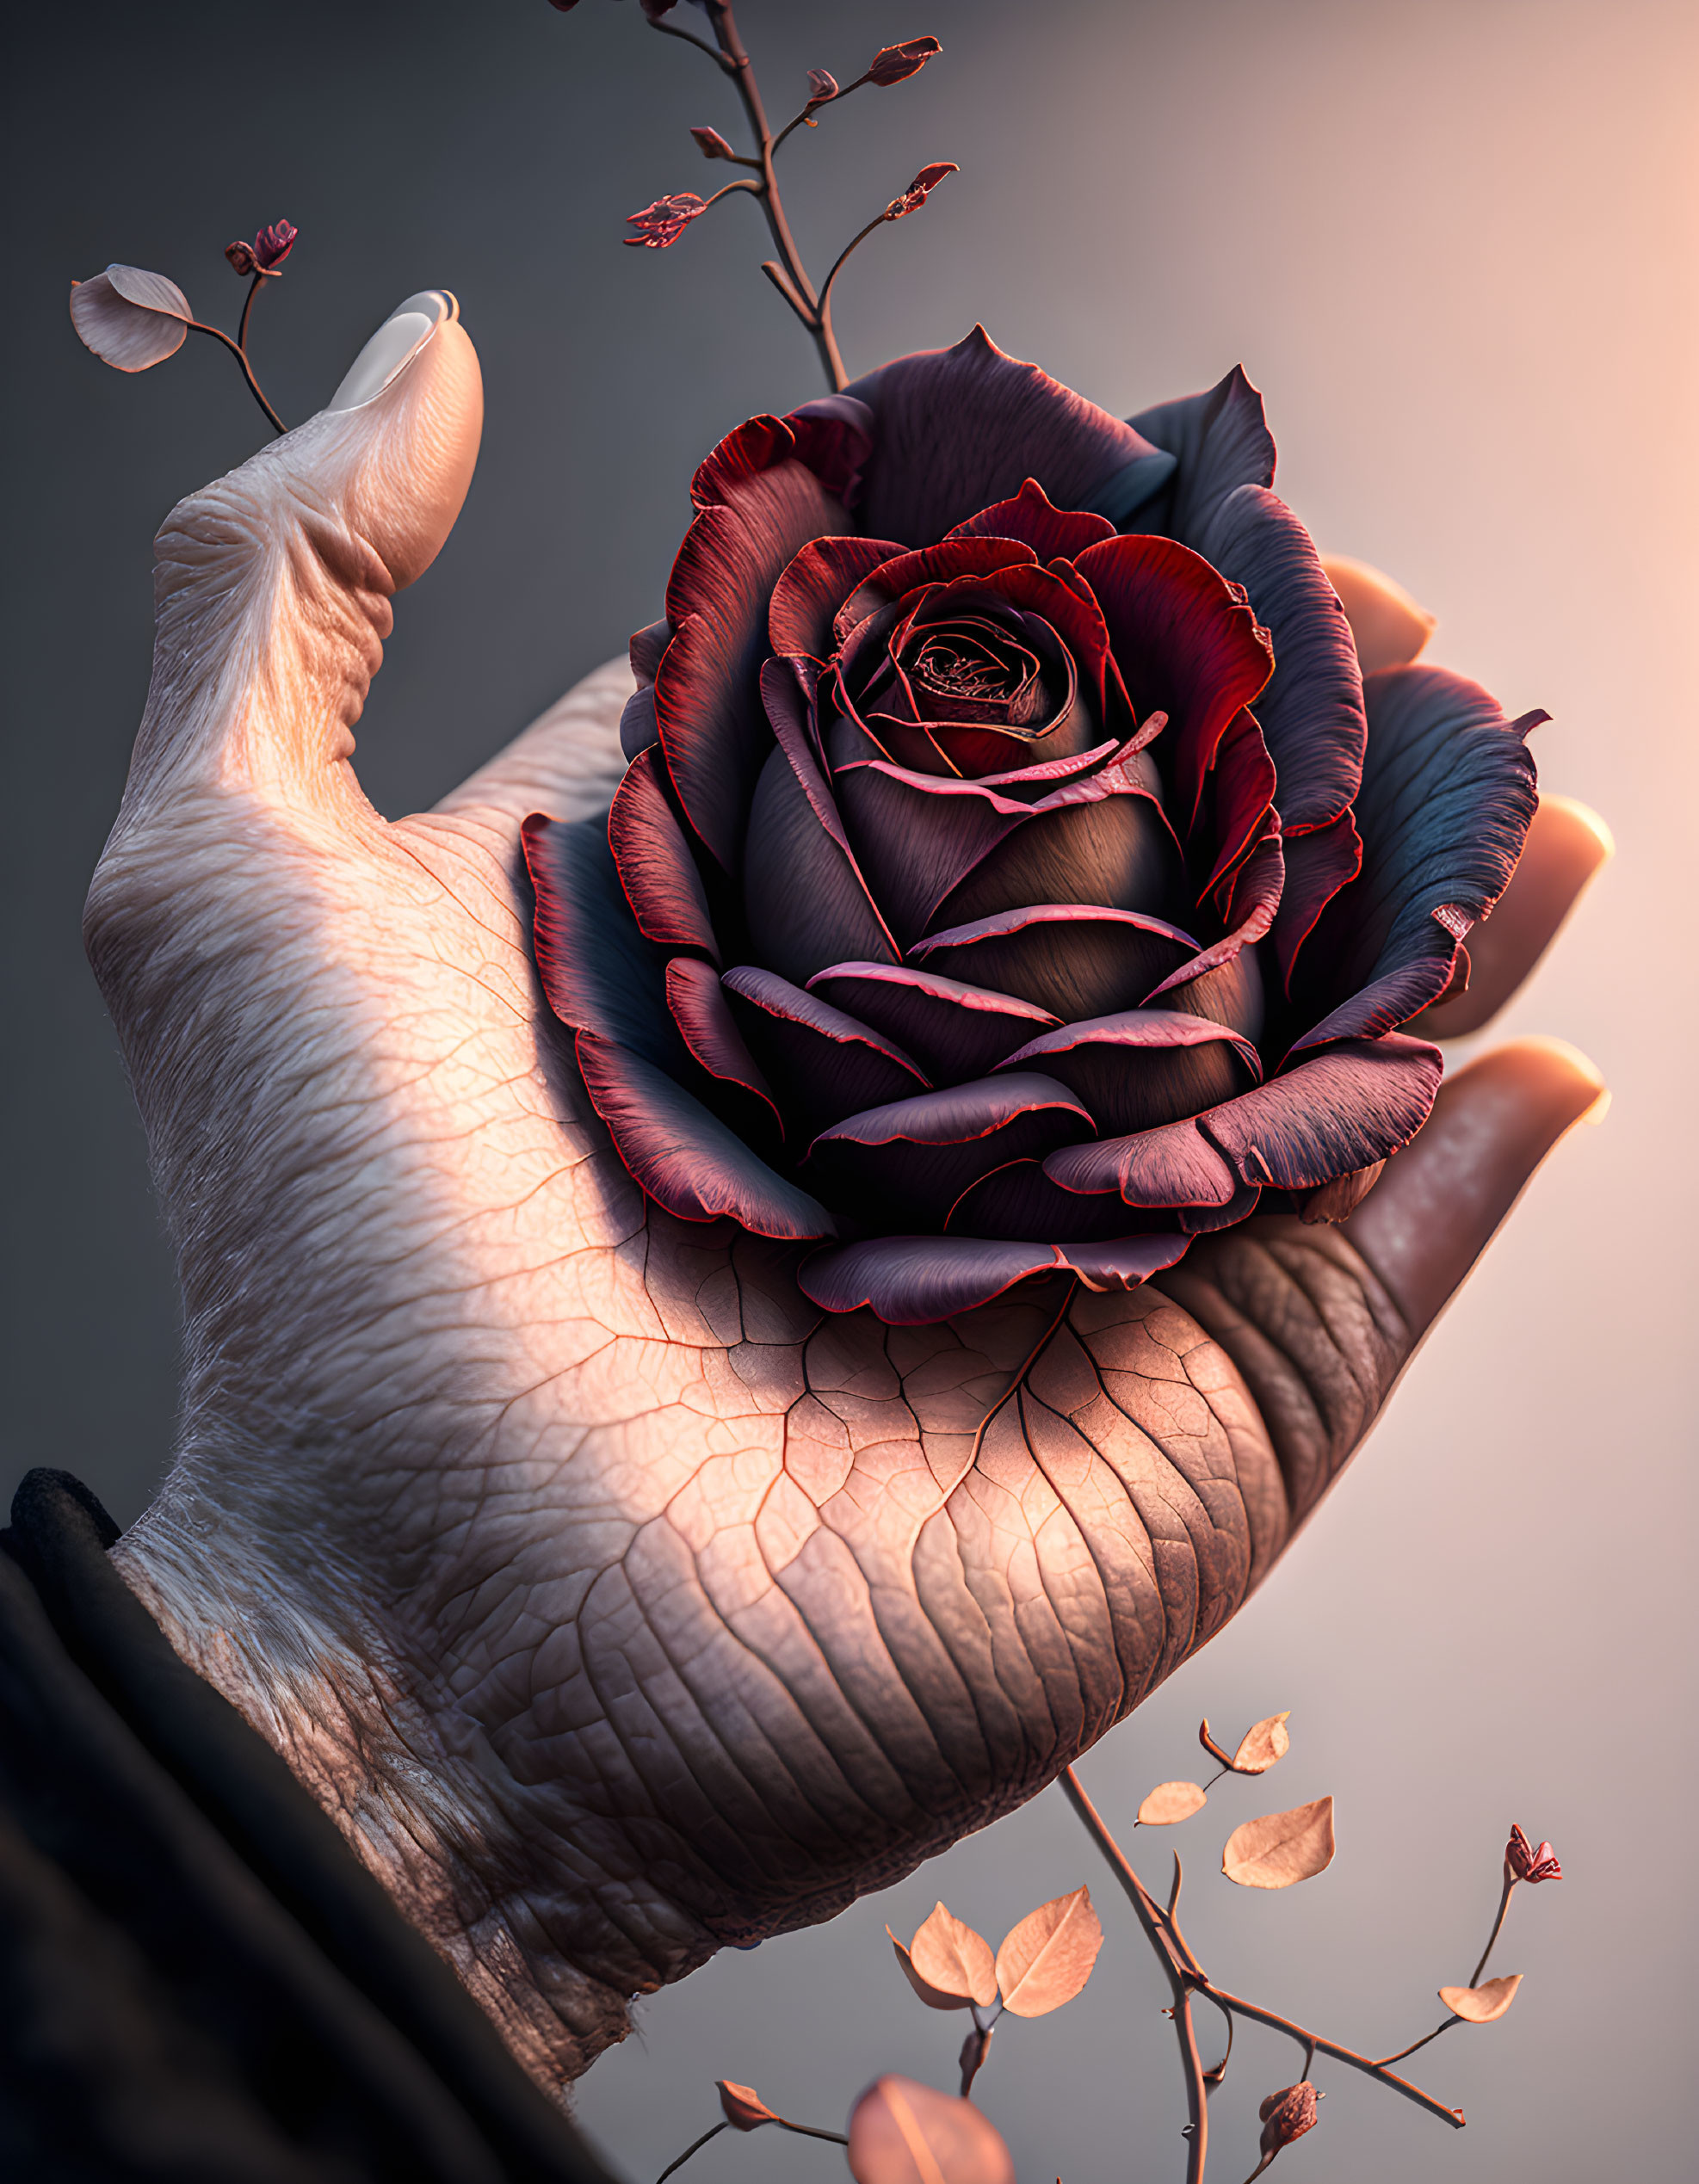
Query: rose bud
[274, 243]
[920, 189]
[1013, 879]
[1288, 2115]
[242, 258]
[891, 64]
[1525, 1863]
[712, 145]
[660, 225]
[822, 85]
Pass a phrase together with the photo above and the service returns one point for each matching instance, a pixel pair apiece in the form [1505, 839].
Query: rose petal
[1033, 517]
[1186, 644]
[917, 1156]
[656, 868]
[1220, 440]
[685, 1159]
[1447, 796]
[1312, 712]
[1111, 848]
[912, 1280]
[1075, 959]
[1018, 1201]
[805, 899]
[703, 1016]
[598, 972]
[817, 582]
[959, 428]
[1144, 1066]
[1342, 1110]
[132, 326]
[1174, 1166]
[824, 1064]
[1237, 803]
[954, 1031]
[1318, 866]
[911, 570]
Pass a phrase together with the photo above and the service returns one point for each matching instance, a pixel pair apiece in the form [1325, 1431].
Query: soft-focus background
[1454, 243]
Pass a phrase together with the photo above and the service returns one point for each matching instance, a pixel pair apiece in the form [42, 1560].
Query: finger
[1566, 845]
[1388, 628]
[567, 763]
[1435, 1209]
[273, 585]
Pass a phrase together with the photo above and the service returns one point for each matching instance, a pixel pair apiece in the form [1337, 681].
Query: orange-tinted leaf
[1261, 1746]
[1281, 1847]
[951, 1958]
[934, 1997]
[904, 2133]
[1169, 1801]
[1480, 2005]
[132, 319]
[1046, 1958]
[1209, 1745]
[745, 2109]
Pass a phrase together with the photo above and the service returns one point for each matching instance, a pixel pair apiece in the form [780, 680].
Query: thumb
[1436, 1207]
[273, 584]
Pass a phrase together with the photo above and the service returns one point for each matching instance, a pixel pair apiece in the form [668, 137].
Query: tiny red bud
[822, 85]
[891, 64]
[1288, 2115]
[712, 145]
[660, 225]
[920, 189]
[1525, 1863]
[274, 243]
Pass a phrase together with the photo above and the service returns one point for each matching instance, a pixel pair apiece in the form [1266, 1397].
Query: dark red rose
[1013, 872]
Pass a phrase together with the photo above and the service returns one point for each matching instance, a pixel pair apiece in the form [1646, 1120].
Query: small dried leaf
[934, 1997]
[1286, 2115]
[904, 2133]
[132, 319]
[1169, 1801]
[1281, 1847]
[745, 2109]
[822, 86]
[1480, 2005]
[1046, 1958]
[712, 145]
[953, 1959]
[920, 189]
[1261, 1746]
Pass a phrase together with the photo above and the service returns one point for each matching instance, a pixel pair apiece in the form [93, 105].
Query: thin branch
[247, 304]
[695, 2147]
[808, 2130]
[195, 327]
[1156, 1933]
[1497, 1926]
[689, 37]
[1423, 2042]
[1317, 2045]
[838, 262]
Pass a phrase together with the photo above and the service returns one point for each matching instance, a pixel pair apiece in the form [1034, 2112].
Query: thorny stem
[1154, 1922]
[239, 354]
[1186, 1976]
[730, 56]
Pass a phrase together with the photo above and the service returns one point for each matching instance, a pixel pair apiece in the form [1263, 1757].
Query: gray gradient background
[1454, 243]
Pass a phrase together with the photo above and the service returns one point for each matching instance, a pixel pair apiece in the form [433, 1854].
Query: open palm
[618, 1602]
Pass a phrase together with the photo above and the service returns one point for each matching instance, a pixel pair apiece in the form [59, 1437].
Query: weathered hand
[617, 1602]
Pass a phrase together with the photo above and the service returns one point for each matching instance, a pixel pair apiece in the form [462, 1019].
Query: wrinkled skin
[616, 1602]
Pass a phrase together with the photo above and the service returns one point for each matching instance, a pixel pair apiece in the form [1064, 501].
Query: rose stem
[242, 330]
[1474, 1976]
[809, 2130]
[696, 2145]
[837, 266]
[1197, 2093]
[195, 326]
[1183, 1967]
[733, 59]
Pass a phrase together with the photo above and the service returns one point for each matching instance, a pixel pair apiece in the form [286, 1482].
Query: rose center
[957, 664]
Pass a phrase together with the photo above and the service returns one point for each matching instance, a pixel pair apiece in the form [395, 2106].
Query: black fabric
[199, 1983]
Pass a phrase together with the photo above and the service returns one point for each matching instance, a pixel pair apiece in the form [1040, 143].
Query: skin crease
[616, 1602]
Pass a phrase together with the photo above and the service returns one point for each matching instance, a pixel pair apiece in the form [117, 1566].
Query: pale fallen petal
[745, 2109]
[1263, 1744]
[901, 2132]
[1046, 1958]
[1480, 2005]
[1389, 627]
[1281, 1847]
[1169, 1801]
[950, 1957]
[131, 319]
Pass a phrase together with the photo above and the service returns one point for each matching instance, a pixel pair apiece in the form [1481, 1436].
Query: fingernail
[393, 346]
